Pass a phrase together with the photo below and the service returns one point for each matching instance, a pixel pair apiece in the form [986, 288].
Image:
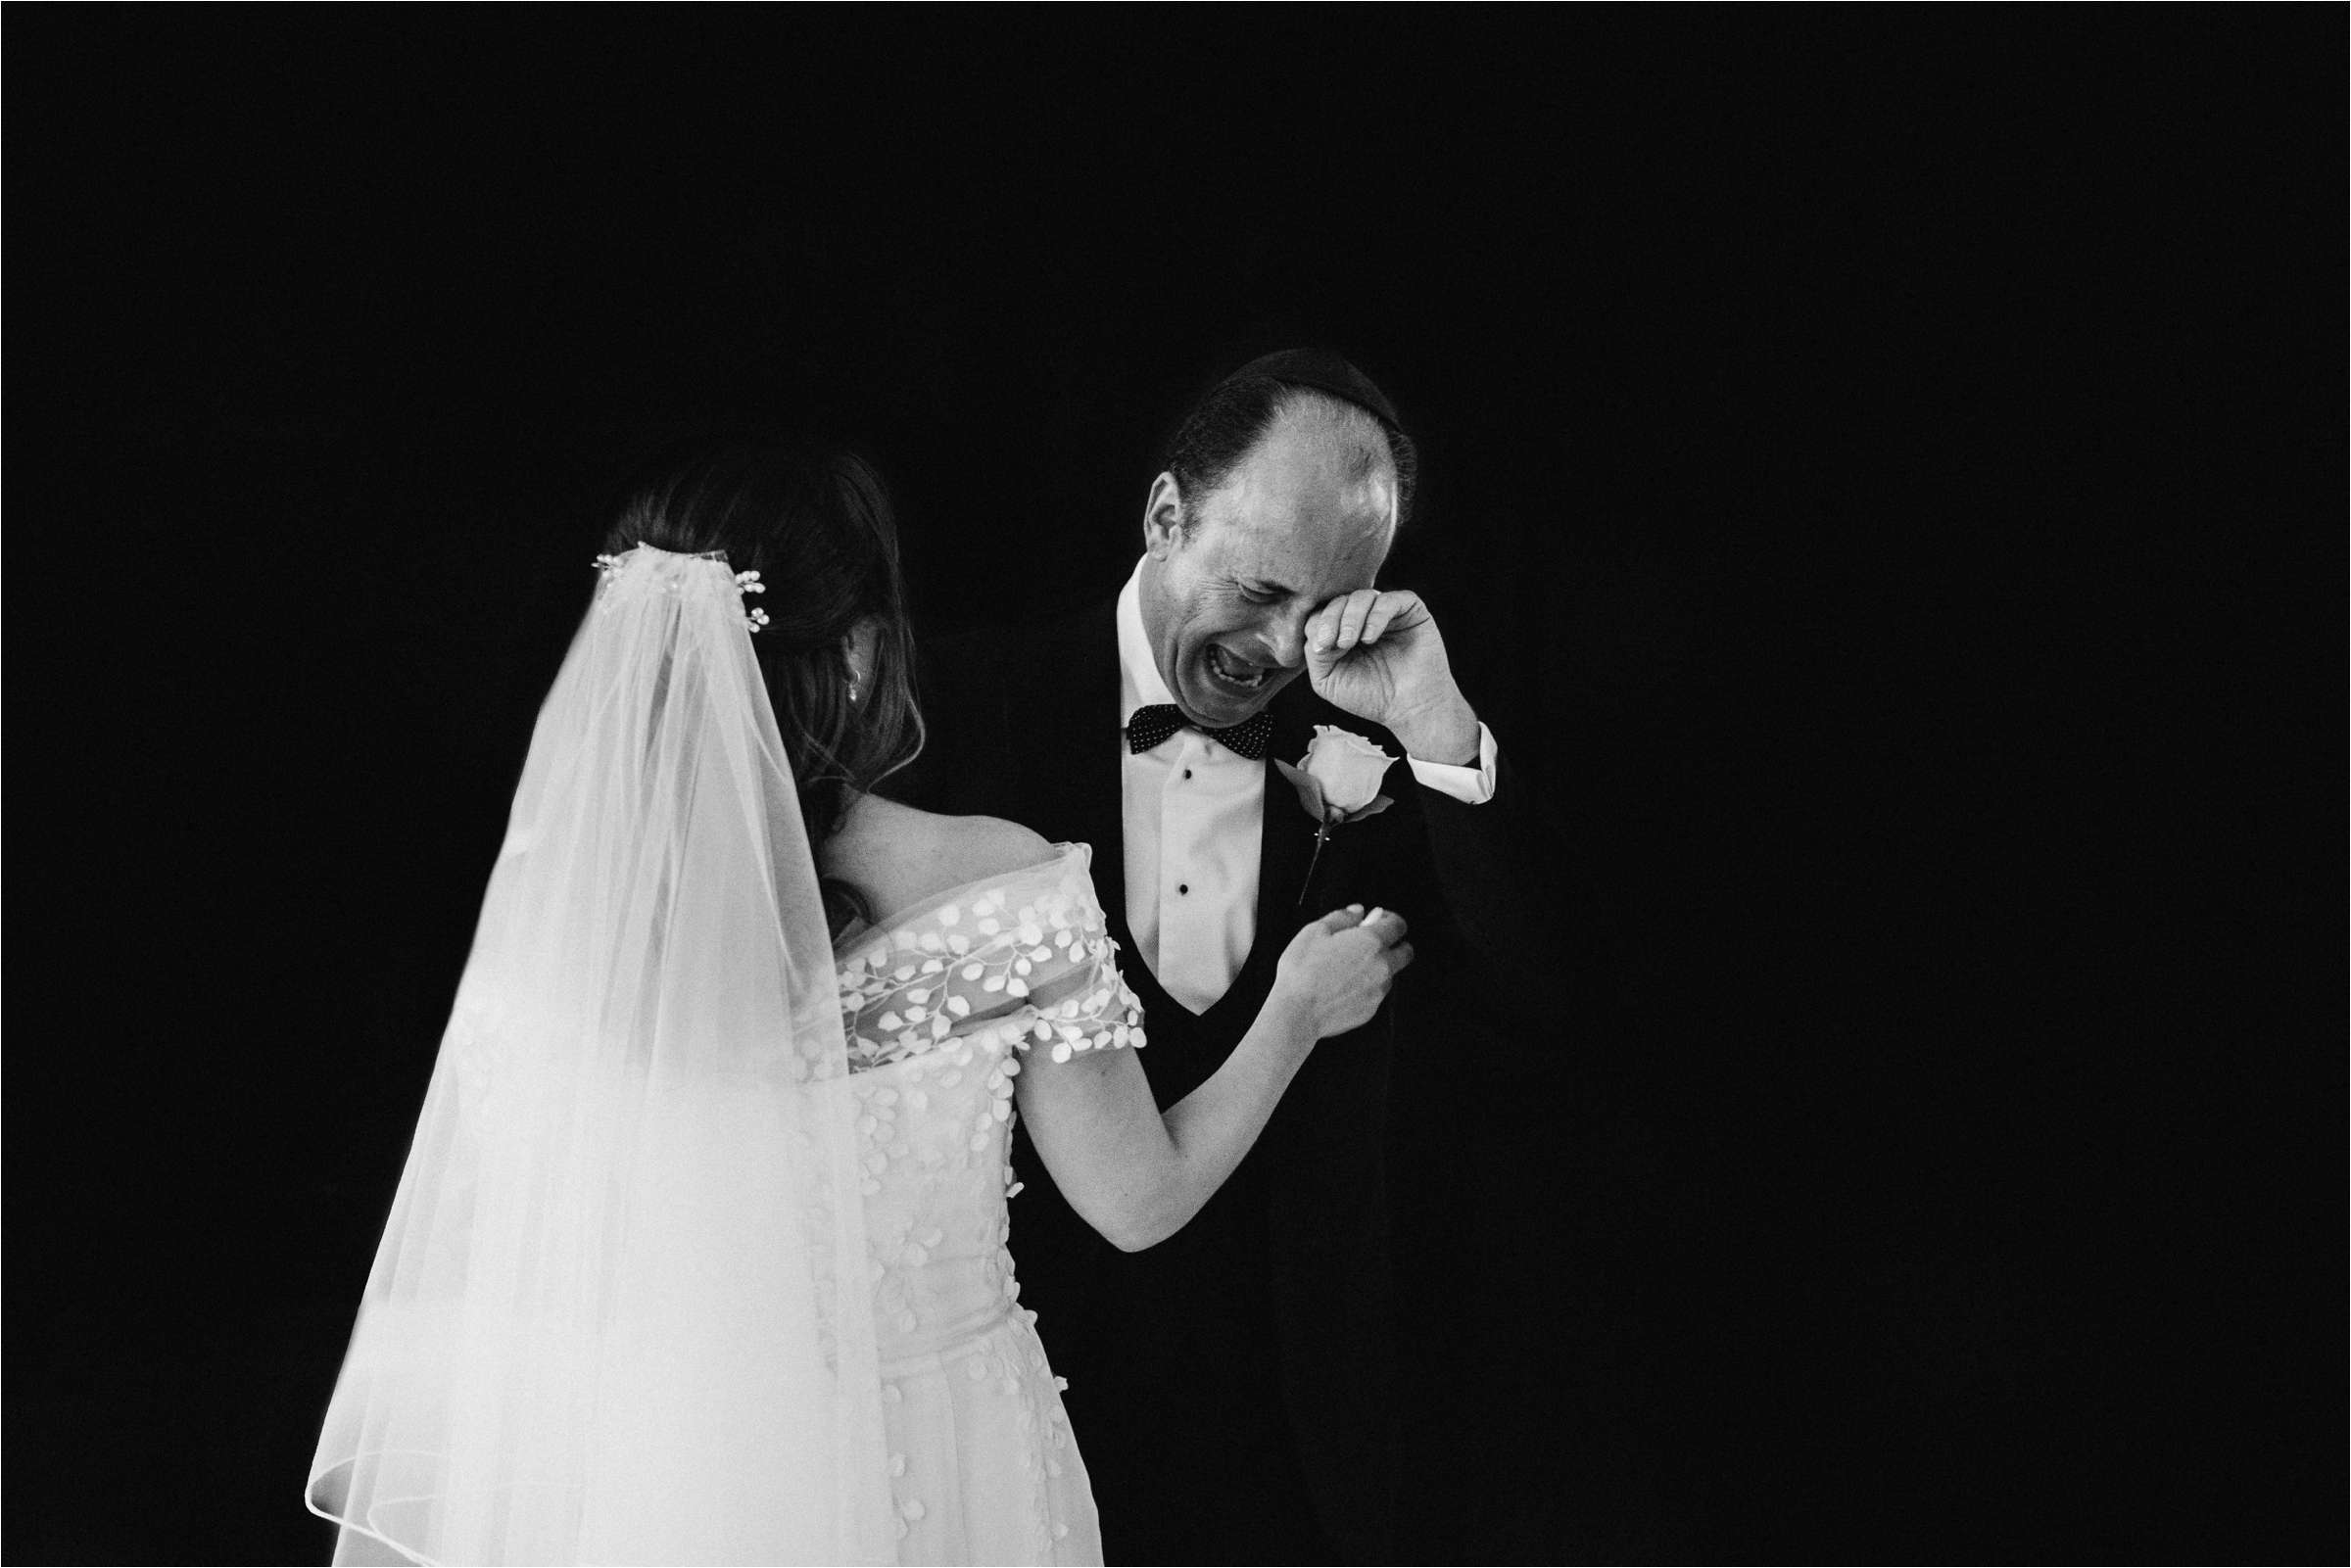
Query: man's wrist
[1448, 736]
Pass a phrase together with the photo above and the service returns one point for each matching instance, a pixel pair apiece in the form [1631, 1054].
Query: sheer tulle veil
[619, 1312]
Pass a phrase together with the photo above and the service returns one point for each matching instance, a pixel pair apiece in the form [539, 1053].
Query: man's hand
[1378, 656]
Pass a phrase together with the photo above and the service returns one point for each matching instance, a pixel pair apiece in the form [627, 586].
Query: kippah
[1323, 371]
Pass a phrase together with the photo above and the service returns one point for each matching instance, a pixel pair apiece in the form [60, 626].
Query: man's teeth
[1227, 669]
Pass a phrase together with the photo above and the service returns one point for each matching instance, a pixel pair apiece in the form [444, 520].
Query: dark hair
[1235, 414]
[815, 523]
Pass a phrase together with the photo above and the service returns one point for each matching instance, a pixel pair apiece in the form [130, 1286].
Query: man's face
[1226, 598]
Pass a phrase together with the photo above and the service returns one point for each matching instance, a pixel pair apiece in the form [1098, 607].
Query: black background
[1869, 488]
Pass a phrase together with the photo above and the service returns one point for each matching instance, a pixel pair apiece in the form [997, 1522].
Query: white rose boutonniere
[1337, 782]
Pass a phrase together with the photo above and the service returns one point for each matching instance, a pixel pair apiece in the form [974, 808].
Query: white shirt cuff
[1471, 786]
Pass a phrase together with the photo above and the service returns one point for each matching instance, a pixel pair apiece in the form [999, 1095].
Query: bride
[701, 1250]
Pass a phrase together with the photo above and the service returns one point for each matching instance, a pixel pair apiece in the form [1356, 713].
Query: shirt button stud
[1183, 888]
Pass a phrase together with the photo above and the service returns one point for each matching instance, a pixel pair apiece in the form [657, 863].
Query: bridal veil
[620, 1312]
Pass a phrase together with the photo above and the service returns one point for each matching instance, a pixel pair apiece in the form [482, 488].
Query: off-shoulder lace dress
[941, 1005]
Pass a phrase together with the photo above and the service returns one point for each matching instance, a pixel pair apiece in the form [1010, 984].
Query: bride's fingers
[1392, 924]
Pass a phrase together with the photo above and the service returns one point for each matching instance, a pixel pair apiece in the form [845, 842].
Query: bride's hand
[1338, 970]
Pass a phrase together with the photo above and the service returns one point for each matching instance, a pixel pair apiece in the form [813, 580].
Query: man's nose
[1287, 637]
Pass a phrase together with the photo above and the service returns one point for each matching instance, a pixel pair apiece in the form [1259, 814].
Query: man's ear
[1163, 518]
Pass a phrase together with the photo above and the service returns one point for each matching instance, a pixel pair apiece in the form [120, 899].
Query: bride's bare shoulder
[900, 856]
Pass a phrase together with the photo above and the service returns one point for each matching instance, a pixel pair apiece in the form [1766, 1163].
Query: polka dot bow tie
[1155, 722]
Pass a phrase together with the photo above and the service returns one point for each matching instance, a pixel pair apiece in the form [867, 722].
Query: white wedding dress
[939, 1006]
[699, 1251]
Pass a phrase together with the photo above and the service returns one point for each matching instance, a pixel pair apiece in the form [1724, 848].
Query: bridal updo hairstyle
[815, 523]
[1233, 415]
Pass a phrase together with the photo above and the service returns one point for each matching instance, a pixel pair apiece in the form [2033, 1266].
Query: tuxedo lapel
[1089, 774]
[1286, 837]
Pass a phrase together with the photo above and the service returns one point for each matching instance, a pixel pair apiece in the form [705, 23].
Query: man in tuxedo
[1231, 1389]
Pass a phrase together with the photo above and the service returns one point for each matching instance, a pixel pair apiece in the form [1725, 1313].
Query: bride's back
[897, 857]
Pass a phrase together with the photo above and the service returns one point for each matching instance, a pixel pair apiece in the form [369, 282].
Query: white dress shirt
[1192, 812]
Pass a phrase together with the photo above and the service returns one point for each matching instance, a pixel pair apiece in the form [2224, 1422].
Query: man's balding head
[1235, 414]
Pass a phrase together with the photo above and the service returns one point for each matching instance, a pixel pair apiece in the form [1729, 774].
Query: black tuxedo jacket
[1233, 1388]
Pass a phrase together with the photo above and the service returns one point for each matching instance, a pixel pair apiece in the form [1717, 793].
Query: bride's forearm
[1135, 1172]
[1214, 1127]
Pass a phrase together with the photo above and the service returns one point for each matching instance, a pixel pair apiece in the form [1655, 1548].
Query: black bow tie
[1156, 721]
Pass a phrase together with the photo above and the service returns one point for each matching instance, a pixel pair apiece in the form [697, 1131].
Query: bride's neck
[843, 867]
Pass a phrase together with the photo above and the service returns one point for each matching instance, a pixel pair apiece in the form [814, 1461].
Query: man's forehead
[1283, 545]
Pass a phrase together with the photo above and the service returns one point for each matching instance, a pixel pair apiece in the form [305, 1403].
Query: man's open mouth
[1234, 674]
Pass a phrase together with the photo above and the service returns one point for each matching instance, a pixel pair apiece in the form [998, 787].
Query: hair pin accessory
[748, 582]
